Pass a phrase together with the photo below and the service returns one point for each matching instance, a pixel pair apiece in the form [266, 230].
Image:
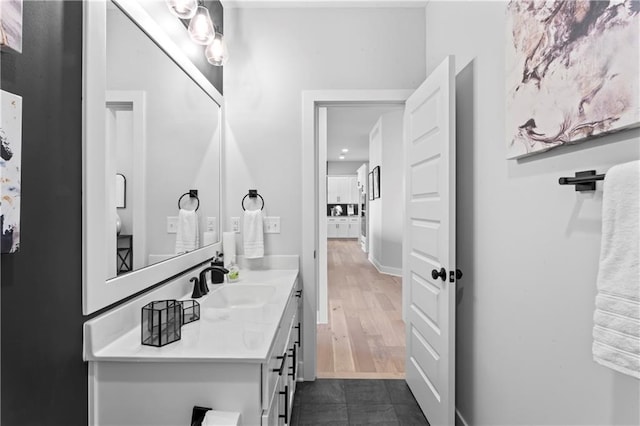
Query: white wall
[529, 249]
[275, 54]
[385, 213]
[343, 167]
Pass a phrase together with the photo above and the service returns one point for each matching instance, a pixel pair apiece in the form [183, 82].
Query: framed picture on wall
[10, 166]
[370, 186]
[11, 25]
[376, 182]
[558, 91]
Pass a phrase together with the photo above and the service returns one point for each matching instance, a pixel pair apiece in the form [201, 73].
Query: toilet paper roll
[228, 247]
[208, 237]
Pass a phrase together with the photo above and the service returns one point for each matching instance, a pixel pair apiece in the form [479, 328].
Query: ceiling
[349, 127]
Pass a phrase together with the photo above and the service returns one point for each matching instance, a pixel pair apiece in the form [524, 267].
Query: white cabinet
[332, 228]
[281, 372]
[333, 189]
[354, 227]
[354, 192]
[141, 393]
[342, 190]
[343, 227]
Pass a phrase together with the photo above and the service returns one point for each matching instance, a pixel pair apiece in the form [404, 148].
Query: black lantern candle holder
[162, 322]
[190, 311]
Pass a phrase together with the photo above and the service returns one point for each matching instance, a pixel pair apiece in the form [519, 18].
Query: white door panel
[428, 300]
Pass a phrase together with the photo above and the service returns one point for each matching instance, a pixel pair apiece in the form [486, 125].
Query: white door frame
[135, 101]
[312, 184]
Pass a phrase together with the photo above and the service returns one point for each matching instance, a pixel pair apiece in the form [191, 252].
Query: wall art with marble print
[572, 72]
[11, 24]
[10, 173]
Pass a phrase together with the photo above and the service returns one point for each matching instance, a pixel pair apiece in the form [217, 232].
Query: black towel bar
[584, 181]
[253, 193]
[193, 193]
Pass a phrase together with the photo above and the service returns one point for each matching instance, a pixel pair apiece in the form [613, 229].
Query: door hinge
[314, 254]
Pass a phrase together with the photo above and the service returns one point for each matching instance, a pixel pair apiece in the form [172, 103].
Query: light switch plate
[212, 223]
[272, 225]
[235, 224]
[172, 224]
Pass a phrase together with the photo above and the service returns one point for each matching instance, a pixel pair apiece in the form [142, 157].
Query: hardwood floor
[365, 335]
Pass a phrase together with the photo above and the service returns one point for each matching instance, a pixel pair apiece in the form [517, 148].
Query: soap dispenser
[217, 276]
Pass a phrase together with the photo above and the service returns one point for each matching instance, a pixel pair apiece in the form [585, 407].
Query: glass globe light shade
[183, 9]
[216, 52]
[201, 28]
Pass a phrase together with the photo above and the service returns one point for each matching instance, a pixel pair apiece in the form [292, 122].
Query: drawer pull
[293, 365]
[284, 360]
[297, 342]
[298, 293]
[286, 404]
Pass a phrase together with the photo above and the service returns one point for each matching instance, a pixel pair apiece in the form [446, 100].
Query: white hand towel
[616, 331]
[252, 234]
[187, 236]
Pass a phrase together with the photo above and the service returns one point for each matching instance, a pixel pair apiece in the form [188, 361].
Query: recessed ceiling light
[345, 150]
[341, 157]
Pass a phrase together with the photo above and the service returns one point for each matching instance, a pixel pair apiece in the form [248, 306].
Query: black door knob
[442, 274]
[458, 274]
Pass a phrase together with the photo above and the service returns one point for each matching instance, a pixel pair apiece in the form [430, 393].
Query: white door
[429, 244]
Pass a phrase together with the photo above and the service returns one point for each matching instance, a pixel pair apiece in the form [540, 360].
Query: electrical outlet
[272, 225]
[172, 224]
[235, 224]
[212, 223]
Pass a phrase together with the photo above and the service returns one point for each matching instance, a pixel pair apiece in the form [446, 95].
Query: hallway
[365, 336]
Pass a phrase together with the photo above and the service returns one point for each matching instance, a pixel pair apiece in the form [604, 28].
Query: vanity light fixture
[341, 157]
[216, 52]
[345, 150]
[183, 9]
[200, 27]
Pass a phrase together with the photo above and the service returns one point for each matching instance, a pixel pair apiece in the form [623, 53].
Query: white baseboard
[460, 421]
[389, 270]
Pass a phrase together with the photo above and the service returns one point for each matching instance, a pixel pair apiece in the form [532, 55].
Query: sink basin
[240, 296]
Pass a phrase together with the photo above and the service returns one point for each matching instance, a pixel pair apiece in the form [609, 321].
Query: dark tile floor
[355, 402]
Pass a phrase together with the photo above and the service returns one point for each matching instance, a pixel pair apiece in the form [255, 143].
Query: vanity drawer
[279, 410]
[277, 366]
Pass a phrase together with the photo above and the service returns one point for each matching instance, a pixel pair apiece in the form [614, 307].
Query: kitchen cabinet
[342, 190]
[353, 230]
[343, 227]
[354, 191]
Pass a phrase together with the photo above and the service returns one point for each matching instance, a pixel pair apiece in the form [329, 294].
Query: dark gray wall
[44, 380]
[43, 377]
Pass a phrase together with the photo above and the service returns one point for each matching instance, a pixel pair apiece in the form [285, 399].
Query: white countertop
[241, 334]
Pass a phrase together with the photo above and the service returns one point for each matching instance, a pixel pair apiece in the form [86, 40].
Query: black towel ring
[191, 194]
[253, 193]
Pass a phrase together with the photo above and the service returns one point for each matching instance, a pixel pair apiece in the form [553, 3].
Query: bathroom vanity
[243, 354]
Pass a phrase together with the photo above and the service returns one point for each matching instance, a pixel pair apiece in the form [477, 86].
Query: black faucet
[197, 291]
[204, 289]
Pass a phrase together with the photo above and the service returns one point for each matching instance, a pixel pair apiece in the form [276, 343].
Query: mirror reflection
[163, 135]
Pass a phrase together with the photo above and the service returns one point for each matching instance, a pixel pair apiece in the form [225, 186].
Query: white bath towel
[616, 331]
[187, 236]
[252, 234]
